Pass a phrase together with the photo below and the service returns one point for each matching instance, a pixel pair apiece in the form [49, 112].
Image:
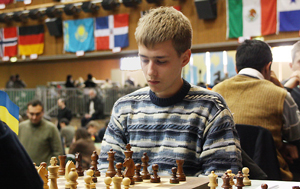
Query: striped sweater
[194, 125]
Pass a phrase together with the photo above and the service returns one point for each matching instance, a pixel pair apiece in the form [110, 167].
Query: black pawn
[174, 179]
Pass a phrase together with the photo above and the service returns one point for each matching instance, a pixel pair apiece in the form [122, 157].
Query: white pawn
[246, 180]
[107, 181]
[117, 182]
[126, 182]
[53, 169]
[212, 180]
[231, 182]
[73, 179]
[87, 179]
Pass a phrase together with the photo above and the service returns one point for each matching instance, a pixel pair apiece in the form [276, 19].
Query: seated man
[254, 100]
[94, 108]
[171, 119]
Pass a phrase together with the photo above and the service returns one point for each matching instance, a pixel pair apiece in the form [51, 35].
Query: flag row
[101, 33]
[246, 18]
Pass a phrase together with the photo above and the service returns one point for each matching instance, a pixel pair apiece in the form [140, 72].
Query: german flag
[31, 40]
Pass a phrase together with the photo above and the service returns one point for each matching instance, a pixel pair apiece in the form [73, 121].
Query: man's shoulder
[25, 123]
[138, 94]
[48, 123]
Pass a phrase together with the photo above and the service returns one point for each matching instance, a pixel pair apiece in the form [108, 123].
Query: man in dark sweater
[63, 111]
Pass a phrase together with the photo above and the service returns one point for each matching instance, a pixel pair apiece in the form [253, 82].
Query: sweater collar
[251, 72]
[163, 102]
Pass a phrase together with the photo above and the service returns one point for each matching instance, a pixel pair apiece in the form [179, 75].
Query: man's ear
[186, 57]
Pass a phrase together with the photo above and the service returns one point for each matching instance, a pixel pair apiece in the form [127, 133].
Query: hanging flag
[111, 31]
[247, 18]
[78, 35]
[288, 15]
[9, 112]
[31, 40]
[8, 41]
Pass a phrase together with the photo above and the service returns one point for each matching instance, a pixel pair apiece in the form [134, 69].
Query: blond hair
[163, 24]
[295, 49]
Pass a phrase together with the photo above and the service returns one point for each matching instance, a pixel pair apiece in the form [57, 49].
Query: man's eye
[144, 60]
[160, 62]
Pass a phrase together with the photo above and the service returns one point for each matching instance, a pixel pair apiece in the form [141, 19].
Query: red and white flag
[8, 41]
[111, 31]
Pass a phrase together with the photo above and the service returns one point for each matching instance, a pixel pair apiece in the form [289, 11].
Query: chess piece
[36, 167]
[44, 164]
[145, 159]
[87, 179]
[126, 182]
[137, 176]
[91, 173]
[62, 164]
[231, 175]
[78, 159]
[111, 172]
[155, 178]
[129, 164]
[53, 169]
[295, 187]
[239, 180]
[174, 179]
[212, 180]
[68, 168]
[42, 171]
[180, 174]
[264, 186]
[226, 181]
[73, 175]
[117, 182]
[93, 185]
[119, 167]
[94, 163]
[107, 181]
[247, 181]
[94, 178]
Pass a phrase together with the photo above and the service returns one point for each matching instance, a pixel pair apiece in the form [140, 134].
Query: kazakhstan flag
[79, 35]
[9, 112]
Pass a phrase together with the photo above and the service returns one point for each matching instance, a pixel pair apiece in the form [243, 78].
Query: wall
[207, 35]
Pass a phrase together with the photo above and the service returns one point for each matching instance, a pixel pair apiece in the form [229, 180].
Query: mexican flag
[246, 18]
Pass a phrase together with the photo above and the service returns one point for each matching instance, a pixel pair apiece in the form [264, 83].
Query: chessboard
[190, 183]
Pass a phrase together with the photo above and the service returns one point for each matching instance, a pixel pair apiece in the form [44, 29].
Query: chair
[259, 145]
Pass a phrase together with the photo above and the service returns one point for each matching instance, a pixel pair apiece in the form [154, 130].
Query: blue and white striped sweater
[198, 128]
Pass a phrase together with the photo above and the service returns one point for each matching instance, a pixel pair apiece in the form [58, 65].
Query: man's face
[35, 114]
[162, 67]
[60, 103]
[296, 63]
[92, 94]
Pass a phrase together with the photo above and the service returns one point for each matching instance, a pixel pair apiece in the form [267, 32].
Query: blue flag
[79, 35]
[9, 112]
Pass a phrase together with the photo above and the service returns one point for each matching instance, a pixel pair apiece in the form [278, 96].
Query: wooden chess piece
[62, 164]
[239, 180]
[264, 186]
[107, 181]
[42, 171]
[117, 182]
[145, 159]
[94, 178]
[137, 176]
[87, 179]
[129, 164]
[229, 172]
[53, 170]
[36, 167]
[180, 174]
[68, 168]
[94, 163]
[78, 159]
[155, 178]
[226, 181]
[93, 185]
[174, 179]
[73, 175]
[44, 164]
[295, 187]
[247, 181]
[212, 180]
[119, 167]
[111, 172]
[126, 182]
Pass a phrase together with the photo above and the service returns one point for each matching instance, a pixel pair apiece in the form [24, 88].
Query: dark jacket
[98, 106]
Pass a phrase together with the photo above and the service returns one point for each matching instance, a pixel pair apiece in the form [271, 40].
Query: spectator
[102, 131]
[39, 137]
[19, 83]
[94, 108]
[10, 82]
[255, 100]
[106, 85]
[129, 82]
[63, 111]
[92, 128]
[67, 132]
[82, 143]
[69, 82]
[89, 82]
